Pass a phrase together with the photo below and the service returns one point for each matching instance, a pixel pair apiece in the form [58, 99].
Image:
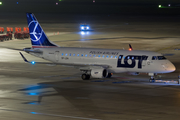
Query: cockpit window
[161, 58]
[158, 58]
[154, 58]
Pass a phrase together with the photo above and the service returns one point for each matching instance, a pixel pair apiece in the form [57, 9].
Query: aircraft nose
[170, 67]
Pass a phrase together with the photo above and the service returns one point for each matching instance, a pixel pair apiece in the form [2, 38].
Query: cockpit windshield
[161, 58]
[158, 58]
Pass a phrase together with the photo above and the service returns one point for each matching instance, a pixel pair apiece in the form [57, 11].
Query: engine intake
[99, 73]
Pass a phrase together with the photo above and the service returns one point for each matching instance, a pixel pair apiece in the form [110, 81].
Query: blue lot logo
[35, 31]
[132, 61]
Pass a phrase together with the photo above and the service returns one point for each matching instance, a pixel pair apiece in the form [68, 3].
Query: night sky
[109, 7]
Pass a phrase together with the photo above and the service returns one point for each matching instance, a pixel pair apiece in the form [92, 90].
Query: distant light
[94, 1]
[33, 94]
[60, 0]
[33, 62]
[160, 6]
[82, 28]
[82, 33]
[17, 2]
[0, 3]
[87, 27]
[56, 3]
[33, 113]
[169, 5]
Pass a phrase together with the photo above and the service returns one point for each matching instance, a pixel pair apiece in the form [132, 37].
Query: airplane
[93, 62]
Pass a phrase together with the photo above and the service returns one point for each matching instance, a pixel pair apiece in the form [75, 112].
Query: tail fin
[38, 37]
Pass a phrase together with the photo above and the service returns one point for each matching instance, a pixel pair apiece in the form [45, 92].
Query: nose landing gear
[151, 80]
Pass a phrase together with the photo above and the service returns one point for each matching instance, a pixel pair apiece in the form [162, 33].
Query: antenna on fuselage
[130, 47]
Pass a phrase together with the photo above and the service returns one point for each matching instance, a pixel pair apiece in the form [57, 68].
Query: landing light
[82, 28]
[87, 27]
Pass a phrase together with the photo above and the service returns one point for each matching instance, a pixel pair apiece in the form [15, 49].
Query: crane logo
[35, 31]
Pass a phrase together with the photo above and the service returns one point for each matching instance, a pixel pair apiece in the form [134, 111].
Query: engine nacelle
[99, 73]
[133, 73]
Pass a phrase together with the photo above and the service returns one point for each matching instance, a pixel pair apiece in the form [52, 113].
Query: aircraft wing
[65, 64]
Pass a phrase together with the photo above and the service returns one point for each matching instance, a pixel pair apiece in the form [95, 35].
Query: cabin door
[57, 56]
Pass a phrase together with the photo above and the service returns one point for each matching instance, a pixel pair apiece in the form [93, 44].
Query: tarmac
[35, 92]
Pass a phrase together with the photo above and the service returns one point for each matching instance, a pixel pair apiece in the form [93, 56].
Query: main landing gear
[85, 76]
[151, 80]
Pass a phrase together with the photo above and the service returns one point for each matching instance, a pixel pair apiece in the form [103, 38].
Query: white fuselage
[118, 60]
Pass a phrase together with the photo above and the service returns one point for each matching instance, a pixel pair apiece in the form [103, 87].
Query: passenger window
[119, 57]
[69, 54]
[86, 55]
[81, 55]
[74, 54]
[78, 55]
[94, 55]
[107, 56]
[103, 56]
[111, 56]
[115, 57]
[66, 54]
[89, 55]
[99, 55]
[62, 54]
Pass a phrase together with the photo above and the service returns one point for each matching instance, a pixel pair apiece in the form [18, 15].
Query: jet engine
[99, 73]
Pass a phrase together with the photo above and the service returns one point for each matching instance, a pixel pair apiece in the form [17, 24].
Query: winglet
[23, 57]
[130, 47]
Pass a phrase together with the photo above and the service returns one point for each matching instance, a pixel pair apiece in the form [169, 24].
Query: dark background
[106, 7]
[78, 11]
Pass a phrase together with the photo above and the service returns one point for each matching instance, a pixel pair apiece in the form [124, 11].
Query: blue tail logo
[35, 33]
[38, 37]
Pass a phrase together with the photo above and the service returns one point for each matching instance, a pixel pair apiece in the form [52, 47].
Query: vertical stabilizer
[37, 35]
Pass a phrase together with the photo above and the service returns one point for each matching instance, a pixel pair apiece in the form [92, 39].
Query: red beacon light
[130, 47]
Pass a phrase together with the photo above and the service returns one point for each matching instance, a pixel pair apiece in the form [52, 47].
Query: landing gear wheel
[152, 80]
[109, 75]
[85, 77]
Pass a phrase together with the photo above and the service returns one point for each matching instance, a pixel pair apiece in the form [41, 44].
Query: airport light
[160, 6]
[33, 62]
[0, 3]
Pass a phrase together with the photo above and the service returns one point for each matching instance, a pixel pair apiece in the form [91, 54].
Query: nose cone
[170, 67]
